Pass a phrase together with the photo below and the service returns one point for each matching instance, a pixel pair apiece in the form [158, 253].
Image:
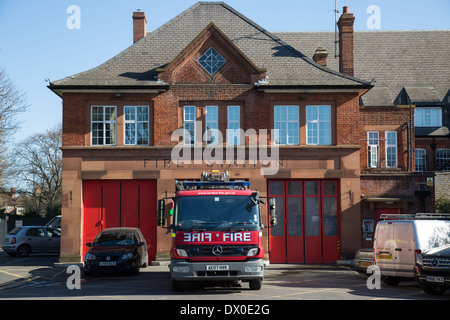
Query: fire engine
[216, 231]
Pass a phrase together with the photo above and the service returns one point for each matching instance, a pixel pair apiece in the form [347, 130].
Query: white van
[398, 242]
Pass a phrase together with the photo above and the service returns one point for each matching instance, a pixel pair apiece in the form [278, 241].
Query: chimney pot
[346, 9]
[139, 25]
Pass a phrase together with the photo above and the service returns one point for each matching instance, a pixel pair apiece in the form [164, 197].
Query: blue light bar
[215, 183]
[184, 185]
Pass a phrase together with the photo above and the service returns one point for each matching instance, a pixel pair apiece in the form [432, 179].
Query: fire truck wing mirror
[273, 215]
[161, 213]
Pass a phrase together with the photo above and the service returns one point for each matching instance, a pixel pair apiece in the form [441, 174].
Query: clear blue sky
[36, 44]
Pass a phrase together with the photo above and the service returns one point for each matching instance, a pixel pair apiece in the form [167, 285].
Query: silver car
[22, 241]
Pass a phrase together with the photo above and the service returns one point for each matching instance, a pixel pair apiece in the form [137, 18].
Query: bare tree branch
[39, 167]
[12, 104]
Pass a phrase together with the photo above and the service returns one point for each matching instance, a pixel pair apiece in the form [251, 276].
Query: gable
[211, 58]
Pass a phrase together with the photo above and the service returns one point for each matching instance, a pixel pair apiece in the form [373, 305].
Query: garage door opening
[119, 203]
[308, 221]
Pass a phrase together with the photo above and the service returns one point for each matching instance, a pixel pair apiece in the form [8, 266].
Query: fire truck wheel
[255, 284]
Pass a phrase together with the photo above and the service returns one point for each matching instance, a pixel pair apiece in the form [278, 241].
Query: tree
[12, 104]
[39, 167]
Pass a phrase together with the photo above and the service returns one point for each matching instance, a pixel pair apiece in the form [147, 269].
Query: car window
[115, 239]
[36, 232]
[15, 231]
[53, 233]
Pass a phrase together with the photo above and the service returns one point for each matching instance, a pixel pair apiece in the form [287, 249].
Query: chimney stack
[320, 56]
[346, 58]
[139, 26]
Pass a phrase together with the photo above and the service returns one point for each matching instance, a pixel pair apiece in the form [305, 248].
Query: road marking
[15, 260]
[11, 274]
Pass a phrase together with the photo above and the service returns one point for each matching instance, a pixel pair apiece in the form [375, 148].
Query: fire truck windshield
[216, 212]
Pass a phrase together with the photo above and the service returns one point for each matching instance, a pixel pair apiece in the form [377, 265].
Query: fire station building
[338, 134]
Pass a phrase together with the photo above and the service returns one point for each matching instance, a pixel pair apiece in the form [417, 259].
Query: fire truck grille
[217, 250]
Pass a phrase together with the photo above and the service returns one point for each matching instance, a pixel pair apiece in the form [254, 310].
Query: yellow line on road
[11, 274]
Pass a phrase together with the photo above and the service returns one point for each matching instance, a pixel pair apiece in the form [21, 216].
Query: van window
[384, 236]
[403, 234]
[432, 234]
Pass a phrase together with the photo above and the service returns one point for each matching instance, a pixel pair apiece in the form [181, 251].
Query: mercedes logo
[435, 263]
[217, 250]
[108, 258]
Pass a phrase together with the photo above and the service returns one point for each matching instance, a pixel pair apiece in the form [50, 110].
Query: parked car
[55, 222]
[22, 241]
[363, 259]
[433, 270]
[116, 250]
[397, 243]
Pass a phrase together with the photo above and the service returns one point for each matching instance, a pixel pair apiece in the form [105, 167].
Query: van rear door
[384, 247]
[404, 246]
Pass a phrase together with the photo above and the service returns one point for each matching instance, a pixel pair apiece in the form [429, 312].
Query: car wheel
[434, 290]
[391, 281]
[135, 270]
[24, 250]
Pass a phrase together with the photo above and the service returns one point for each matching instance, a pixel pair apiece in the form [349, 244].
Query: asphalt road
[35, 277]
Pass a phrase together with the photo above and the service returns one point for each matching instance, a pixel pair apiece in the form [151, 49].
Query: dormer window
[428, 117]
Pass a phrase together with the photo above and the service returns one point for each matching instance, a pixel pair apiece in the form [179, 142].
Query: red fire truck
[216, 231]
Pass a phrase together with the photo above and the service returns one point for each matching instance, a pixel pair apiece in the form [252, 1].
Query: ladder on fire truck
[213, 180]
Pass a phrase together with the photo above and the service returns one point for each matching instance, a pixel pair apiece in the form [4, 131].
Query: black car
[116, 250]
[432, 270]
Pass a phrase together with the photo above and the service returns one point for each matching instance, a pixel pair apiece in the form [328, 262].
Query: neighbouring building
[347, 129]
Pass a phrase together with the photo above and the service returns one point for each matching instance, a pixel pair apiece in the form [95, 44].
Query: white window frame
[286, 120]
[388, 146]
[214, 132]
[315, 140]
[233, 133]
[373, 149]
[420, 115]
[193, 121]
[112, 124]
[136, 123]
[420, 157]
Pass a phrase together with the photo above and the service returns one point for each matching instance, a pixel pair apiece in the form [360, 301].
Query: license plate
[217, 267]
[385, 256]
[434, 279]
[365, 264]
[107, 263]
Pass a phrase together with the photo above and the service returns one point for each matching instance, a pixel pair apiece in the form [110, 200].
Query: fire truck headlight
[253, 252]
[181, 252]
[253, 269]
[181, 269]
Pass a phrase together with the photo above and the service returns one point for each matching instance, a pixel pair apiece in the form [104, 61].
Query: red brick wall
[190, 83]
[388, 119]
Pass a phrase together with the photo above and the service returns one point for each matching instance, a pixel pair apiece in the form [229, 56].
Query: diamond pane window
[211, 61]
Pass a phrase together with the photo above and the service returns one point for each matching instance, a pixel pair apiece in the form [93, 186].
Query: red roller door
[115, 203]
